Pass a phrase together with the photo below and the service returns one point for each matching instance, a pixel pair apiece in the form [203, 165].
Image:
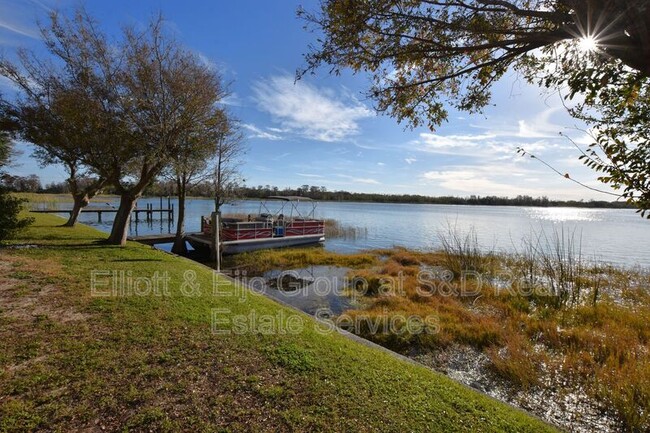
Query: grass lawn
[70, 360]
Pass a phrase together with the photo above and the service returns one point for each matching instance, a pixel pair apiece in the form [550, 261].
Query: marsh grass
[258, 262]
[46, 201]
[584, 325]
[336, 230]
[463, 252]
[561, 262]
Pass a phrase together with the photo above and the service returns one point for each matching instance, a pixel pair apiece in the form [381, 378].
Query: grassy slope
[69, 360]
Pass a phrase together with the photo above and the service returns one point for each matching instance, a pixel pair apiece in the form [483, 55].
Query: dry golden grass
[602, 347]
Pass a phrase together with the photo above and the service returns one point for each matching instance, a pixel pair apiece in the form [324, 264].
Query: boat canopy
[288, 198]
[289, 206]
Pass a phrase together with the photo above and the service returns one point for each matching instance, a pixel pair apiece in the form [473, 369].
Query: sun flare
[588, 43]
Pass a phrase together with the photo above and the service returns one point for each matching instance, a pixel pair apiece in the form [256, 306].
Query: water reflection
[310, 289]
[564, 214]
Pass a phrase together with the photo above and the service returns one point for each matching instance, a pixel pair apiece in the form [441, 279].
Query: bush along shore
[542, 329]
[96, 337]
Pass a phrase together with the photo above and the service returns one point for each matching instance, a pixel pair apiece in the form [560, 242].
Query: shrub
[10, 221]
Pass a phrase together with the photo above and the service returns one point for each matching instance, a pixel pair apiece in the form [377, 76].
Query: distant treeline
[321, 193]
[166, 188]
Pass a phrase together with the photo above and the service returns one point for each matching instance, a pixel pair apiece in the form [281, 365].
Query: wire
[523, 152]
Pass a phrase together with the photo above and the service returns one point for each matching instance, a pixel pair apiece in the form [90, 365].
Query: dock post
[213, 238]
[99, 216]
[215, 250]
[161, 208]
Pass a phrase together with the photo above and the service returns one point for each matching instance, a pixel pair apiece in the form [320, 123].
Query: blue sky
[322, 130]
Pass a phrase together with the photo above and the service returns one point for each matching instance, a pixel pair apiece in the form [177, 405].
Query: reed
[462, 251]
[335, 230]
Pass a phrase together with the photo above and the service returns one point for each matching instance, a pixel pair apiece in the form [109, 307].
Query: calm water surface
[618, 236]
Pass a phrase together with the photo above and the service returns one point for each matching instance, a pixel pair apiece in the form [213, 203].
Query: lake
[617, 236]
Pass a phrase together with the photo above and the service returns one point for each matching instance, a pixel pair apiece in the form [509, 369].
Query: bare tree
[230, 149]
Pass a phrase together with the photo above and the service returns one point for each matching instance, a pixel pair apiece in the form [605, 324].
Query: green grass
[72, 361]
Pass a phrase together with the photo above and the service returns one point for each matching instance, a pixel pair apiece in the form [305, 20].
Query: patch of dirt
[24, 297]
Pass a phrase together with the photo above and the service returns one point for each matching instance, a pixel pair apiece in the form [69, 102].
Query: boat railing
[233, 230]
[302, 226]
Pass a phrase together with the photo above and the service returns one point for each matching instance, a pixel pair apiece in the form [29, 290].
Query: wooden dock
[149, 212]
[167, 238]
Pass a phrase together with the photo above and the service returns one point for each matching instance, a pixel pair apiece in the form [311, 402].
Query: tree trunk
[80, 202]
[121, 222]
[179, 246]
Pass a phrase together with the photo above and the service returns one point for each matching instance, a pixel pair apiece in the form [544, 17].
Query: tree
[425, 56]
[45, 123]
[10, 207]
[133, 101]
[194, 164]
[169, 93]
[56, 108]
[619, 114]
[226, 177]
[6, 153]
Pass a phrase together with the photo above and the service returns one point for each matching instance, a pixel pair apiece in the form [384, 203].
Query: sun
[587, 43]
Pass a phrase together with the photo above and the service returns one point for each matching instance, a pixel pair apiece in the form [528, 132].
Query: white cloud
[436, 143]
[363, 180]
[258, 133]
[410, 161]
[207, 61]
[486, 180]
[281, 156]
[316, 176]
[541, 126]
[232, 100]
[21, 30]
[306, 110]
[18, 19]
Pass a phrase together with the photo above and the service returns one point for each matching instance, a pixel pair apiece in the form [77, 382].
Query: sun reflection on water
[563, 214]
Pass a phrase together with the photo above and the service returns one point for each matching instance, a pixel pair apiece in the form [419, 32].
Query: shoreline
[500, 342]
